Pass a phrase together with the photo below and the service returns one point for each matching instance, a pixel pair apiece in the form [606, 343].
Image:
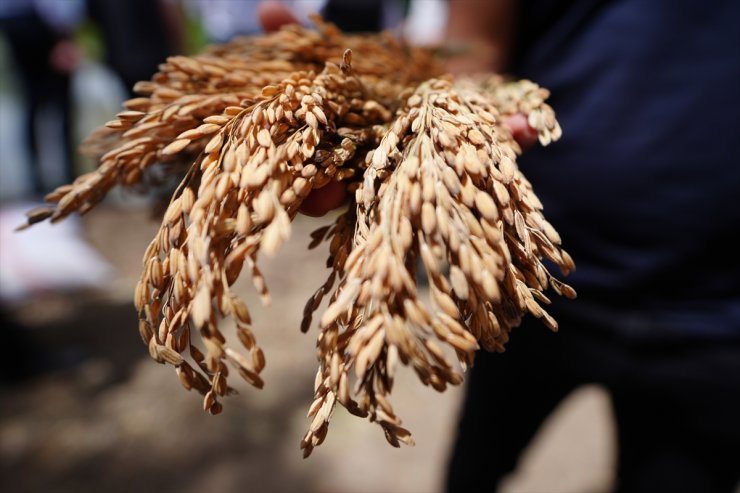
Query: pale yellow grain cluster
[255, 126]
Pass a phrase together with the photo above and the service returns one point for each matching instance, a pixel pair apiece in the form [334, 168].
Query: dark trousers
[676, 403]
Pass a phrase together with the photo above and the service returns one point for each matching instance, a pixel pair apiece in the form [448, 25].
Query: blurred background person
[138, 35]
[642, 188]
[54, 44]
[39, 36]
[37, 154]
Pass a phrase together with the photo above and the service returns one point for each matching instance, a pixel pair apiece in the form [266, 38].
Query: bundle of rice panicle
[255, 125]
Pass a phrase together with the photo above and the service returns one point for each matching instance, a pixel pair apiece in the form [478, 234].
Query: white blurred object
[426, 22]
[46, 257]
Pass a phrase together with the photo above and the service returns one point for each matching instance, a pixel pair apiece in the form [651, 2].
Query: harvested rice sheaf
[254, 126]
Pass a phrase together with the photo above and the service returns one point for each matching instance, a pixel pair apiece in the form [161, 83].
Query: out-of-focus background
[84, 408]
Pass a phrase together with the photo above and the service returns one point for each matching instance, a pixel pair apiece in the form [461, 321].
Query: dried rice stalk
[260, 123]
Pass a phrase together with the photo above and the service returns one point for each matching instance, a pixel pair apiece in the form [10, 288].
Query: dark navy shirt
[644, 186]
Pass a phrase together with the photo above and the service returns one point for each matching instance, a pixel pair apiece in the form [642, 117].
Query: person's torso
[645, 183]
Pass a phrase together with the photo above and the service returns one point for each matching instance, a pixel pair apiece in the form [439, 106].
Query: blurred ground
[104, 417]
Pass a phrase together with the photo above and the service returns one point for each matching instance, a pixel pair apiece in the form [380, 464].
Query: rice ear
[255, 126]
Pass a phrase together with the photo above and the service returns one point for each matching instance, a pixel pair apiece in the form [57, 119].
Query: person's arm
[484, 30]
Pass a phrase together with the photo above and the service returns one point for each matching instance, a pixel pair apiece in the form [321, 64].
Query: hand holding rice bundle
[258, 124]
